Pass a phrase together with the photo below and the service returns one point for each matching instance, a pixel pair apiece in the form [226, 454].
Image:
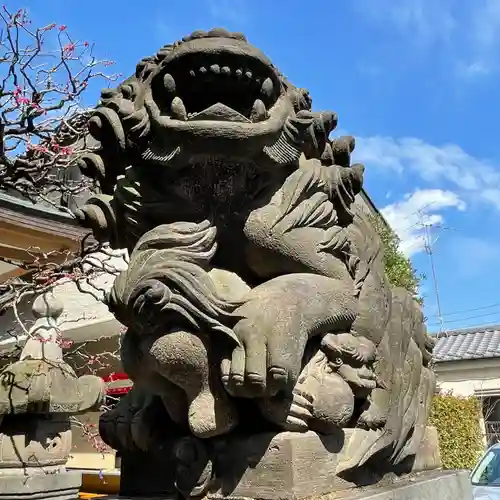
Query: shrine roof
[480, 342]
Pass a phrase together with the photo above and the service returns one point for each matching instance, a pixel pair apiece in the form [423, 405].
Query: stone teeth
[267, 88]
[169, 83]
[178, 109]
[259, 111]
[216, 69]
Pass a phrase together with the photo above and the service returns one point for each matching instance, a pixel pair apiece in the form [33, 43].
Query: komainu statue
[256, 300]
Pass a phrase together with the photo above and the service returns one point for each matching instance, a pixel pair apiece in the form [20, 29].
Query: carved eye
[334, 365]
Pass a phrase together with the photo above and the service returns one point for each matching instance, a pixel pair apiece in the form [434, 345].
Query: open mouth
[221, 86]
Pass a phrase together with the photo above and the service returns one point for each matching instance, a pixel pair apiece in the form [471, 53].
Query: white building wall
[85, 317]
[466, 378]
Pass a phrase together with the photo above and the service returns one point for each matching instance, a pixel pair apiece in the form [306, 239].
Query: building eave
[32, 232]
[87, 331]
[35, 210]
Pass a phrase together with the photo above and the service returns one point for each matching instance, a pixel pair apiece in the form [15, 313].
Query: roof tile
[471, 343]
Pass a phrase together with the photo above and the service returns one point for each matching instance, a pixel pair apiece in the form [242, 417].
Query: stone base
[293, 465]
[428, 456]
[436, 485]
[273, 466]
[449, 485]
[57, 486]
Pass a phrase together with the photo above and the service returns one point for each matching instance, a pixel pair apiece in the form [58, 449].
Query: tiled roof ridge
[481, 342]
[468, 330]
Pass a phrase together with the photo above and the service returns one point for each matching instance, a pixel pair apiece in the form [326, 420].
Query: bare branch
[44, 73]
[44, 76]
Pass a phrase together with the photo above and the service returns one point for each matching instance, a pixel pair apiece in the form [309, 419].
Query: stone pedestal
[271, 466]
[62, 485]
[436, 485]
[449, 485]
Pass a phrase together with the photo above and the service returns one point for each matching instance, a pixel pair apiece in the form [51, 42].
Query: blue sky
[415, 81]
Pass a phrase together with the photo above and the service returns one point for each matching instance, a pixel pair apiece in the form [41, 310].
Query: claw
[278, 374]
[302, 398]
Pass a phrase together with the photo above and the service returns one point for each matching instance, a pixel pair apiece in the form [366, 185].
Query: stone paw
[372, 418]
[289, 414]
[185, 360]
[267, 360]
[300, 411]
[358, 378]
[255, 368]
[348, 347]
[277, 320]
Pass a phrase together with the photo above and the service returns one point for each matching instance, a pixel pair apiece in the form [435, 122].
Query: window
[487, 472]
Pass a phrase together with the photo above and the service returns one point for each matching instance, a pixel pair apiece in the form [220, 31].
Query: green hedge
[457, 420]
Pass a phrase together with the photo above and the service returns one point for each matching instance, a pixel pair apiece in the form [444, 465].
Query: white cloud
[435, 164]
[486, 23]
[484, 31]
[422, 22]
[474, 69]
[409, 216]
[459, 176]
[468, 31]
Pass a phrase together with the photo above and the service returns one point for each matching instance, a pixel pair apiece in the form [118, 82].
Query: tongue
[219, 112]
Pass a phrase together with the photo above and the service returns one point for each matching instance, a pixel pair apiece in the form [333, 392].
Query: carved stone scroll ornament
[256, 297]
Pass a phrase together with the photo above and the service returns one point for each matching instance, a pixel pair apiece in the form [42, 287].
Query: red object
[118, 391]
[112, 377]
[117, 377]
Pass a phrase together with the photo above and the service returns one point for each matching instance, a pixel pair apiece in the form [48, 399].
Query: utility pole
[428, 249]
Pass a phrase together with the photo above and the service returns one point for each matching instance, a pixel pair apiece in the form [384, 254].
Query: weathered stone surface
[38, 394]
[267, 466]
[451, 485]
[41, 382]
[428, 456]
[59, 486]
[287, 465]
[438, 485]
[293, 465]
[255, 297]
[36, 443]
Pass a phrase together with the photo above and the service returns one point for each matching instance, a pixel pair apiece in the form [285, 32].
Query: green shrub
[457, 420]
[398, 268]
